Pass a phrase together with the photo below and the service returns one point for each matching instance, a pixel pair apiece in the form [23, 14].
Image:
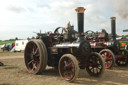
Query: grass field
[5, 42]
[6, 53]
[14, 72]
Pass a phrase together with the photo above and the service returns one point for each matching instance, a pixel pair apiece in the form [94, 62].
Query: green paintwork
[123, 44]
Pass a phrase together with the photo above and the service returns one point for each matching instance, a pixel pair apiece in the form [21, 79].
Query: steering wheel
[89, 34]
[59, 31]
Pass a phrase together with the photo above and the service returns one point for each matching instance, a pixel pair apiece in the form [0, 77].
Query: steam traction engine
[65, 51]
[108, 48]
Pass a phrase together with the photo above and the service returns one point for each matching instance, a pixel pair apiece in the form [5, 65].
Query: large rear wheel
[68, 67]
[95, 64]
[109, 58]
[34, 57]
[45, 53]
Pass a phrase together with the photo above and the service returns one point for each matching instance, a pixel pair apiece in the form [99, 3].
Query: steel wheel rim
[94, 65]
[67, 68]
[108, 58]
[32, 57]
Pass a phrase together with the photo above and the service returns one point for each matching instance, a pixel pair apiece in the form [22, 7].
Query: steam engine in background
[109, 48]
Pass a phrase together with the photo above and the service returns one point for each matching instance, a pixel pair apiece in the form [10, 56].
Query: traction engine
[65, 51]
[108, 48]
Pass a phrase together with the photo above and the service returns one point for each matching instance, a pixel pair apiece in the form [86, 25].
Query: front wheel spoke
[68, 74]
[70, 64]
[65, 73]
[71, 73]
[99, 62]
[109, 58]
[96, 71]
[99, 65]
[93, 70]
[65, 63]
[108, 64]
[105, 53]
[109, 54]
[99, 68]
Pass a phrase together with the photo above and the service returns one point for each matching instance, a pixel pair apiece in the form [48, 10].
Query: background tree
[16, 38]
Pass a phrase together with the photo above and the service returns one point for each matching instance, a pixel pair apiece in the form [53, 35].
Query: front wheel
[95, 64]
[68, 67]
[109, 58]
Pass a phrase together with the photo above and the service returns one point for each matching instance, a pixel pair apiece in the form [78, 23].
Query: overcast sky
[20, 18]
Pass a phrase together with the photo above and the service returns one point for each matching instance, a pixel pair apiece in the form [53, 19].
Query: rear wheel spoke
[36, 51]
[30, 62]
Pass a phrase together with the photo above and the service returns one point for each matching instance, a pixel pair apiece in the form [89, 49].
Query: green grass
[6, 42]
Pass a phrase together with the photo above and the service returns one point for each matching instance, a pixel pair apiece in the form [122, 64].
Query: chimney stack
[113, 27]
[80, 18]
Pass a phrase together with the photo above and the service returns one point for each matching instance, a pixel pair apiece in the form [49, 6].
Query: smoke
[121, 8]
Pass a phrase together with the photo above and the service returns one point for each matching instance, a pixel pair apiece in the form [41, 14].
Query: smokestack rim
[113, 18]
[80, 9]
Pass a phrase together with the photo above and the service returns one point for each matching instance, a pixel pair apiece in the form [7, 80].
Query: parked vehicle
[7, 47]
[20, 45]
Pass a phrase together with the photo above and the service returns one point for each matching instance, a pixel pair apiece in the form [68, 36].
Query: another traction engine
[64, 51]
[108, 48]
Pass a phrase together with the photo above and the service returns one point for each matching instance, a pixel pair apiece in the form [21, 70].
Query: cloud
[50, 22]
[28, 16]
[121, 8]
[17, 9]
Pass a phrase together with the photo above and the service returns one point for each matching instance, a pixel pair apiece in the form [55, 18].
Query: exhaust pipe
[80, 19]
[113, 27]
